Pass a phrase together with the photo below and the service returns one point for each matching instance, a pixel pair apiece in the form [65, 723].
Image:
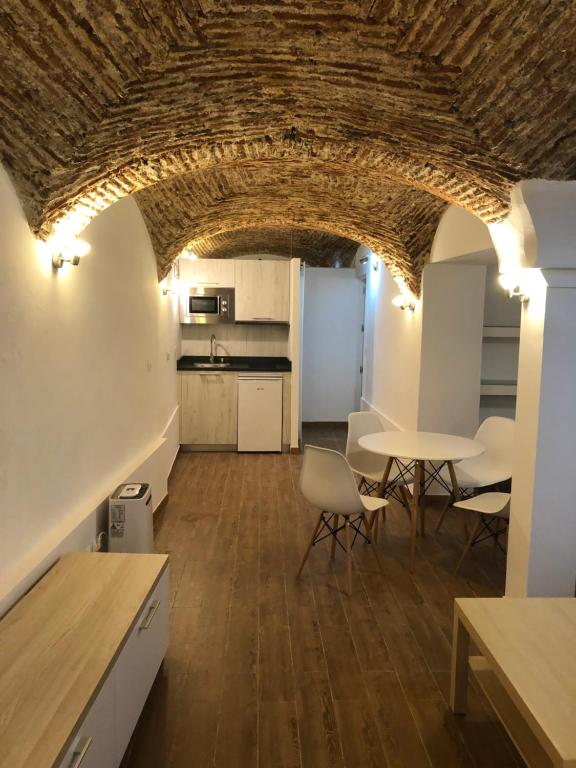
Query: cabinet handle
[80, 752]
[150, 617]
[262, 318]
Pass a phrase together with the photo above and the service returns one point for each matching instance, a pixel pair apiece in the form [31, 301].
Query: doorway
[332, 348]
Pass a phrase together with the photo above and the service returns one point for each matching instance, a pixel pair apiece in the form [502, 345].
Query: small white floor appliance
[260, 413]
[130, 527]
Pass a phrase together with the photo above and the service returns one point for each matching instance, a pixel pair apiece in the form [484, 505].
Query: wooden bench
[78, 656]
[527, 670]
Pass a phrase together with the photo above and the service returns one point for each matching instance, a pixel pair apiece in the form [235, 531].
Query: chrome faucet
[212, 347]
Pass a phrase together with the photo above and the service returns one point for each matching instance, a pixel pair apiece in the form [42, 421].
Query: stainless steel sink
[211, 365]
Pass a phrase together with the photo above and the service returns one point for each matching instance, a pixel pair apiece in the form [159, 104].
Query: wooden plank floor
[267, 671]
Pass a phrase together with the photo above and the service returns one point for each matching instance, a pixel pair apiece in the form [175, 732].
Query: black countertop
[275, 364]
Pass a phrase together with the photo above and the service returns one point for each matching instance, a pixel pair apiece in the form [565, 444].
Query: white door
[259, 414]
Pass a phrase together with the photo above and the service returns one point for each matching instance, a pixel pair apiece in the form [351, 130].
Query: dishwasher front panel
[259, 414]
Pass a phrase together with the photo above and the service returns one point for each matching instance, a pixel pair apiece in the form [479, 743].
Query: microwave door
[203, 305]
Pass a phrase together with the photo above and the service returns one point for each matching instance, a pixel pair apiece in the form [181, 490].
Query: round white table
[410, 451]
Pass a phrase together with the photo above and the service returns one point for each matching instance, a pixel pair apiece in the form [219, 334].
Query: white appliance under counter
[260, 413]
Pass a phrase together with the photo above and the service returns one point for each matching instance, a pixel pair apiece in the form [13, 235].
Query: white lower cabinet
[139, 662]
[94, 746]
[107, 728]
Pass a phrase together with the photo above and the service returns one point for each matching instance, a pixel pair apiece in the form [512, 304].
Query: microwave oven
[207, 306]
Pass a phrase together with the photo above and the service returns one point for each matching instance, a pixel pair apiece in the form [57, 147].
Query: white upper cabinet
[262, 291]
[217, 273]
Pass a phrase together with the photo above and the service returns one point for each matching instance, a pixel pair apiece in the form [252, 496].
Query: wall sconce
[70, 253]
[375, 265]
[405, 301]
[516, 283]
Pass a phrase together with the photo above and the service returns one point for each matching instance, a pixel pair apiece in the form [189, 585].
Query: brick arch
[396, 221]
[317, 249]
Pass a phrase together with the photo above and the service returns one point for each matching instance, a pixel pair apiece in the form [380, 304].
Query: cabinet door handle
[80, 752]
[262, 318]
[150, 617]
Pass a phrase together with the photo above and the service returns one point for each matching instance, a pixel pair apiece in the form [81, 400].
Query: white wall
[391, 350]
[87, 384]
[332, 344]
[459, 234]
[422, 368]
[451, 348]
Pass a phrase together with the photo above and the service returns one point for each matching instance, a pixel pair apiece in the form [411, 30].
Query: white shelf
[501, 332]
[498, 388]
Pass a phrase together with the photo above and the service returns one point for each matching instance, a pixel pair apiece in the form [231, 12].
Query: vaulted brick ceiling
[317, 249]
[455, 99]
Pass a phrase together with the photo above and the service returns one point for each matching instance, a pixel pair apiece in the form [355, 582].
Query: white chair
[369, 466]
[491, 509]
[492, 467]
[327, 482]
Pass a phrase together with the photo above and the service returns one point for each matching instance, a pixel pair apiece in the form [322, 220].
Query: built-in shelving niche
[500, 346]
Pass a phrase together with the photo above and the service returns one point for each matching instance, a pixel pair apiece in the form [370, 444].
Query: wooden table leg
[418, 472]
[455, 487]
[455, 493]
[382, 494]
[459, 667]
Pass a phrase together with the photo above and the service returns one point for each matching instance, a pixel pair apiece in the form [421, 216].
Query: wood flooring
[264, 671]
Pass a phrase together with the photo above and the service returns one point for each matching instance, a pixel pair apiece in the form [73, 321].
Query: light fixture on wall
[188, 254]
[517, 283]
[375, 264]
[405, 301]
[69, 252]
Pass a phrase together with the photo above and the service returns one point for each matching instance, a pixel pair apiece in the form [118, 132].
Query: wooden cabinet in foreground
[262, 291]
[79, 654]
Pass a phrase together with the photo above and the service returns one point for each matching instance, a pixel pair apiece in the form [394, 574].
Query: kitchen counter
[251, 364]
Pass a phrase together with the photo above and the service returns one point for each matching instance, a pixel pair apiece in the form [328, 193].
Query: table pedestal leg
[459, 676]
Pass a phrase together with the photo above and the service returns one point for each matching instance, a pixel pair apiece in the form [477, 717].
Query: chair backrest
[327, 482]
[496, 434]
[361, 423]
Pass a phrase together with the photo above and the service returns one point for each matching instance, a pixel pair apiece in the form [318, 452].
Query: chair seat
[372, 503]
[478, 472]
[372, 466]
[487, 504]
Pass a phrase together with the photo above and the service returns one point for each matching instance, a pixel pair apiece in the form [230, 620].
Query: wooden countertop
[58, 643]
[531, 646]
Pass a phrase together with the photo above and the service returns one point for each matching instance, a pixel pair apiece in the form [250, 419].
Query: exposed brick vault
[355, 117]
[317, 249]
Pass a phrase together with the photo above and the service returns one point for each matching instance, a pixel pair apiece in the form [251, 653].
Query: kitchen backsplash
[236, 340]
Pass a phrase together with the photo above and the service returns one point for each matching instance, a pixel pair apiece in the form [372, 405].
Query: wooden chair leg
[443, 513]
[422, 520]
[373, 546]
[303, 563]
[471, 537]
[348, 553]
[375, 525]
[333, 545]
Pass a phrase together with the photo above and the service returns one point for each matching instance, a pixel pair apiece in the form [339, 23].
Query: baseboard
[389, 424]
[295, 451]
[325, 424]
